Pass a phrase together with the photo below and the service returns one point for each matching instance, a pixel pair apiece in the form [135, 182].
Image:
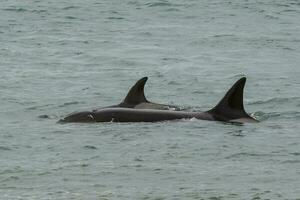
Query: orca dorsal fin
[232, 104]
[136, 93]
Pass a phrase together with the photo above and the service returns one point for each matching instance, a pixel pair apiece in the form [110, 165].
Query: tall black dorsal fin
[232, 105]
[136, 93]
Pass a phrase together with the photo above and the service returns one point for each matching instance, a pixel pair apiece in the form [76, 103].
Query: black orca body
[136, 99]
[229, 109]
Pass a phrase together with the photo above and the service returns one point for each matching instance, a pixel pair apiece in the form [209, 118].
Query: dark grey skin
[135, 98]
[229, 109]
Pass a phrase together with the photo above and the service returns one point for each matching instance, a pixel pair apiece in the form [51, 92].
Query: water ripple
[4, 148]
[277, 100]
[70, 103]
[90, 147]
[261, 116]
[70, 7]
[158, 4]
[15, 9]
[245, 154]
[115, 18]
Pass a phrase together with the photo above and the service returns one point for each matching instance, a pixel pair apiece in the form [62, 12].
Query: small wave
[287, 48]
[138, 159]
[44, 116]
[12, 178]
[158, 4]
[198, 92]
[70, 7]
[39, 11]
[9, 171]
[70, 103]
[90, 147]
[271, 17]
[44, 173]
[116, 18]
[237, 133]
[194, 119]
[24, 10]
[290, 161]
[136, 3]
[42, 107]
[15, 9]
[4, 148]
[173, 59]
[71, 17]
[166, 4]
[290, 10]
[223, 35]
[244, 154]
[286, 5]
[276, 100]
[173, 83]
[172, 10]
[295, 154]
[261, 116]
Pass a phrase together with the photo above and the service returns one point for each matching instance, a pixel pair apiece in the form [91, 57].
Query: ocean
[57, 57]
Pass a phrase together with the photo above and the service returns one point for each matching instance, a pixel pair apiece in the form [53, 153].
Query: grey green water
[57, 57]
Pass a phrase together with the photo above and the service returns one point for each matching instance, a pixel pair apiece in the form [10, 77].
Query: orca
[229, 109]
[136, 99]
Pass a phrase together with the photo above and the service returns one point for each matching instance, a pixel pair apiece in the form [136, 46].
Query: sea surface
[57, 57]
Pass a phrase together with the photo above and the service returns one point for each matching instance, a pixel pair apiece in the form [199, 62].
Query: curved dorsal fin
[232, 106]
[136, 93]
